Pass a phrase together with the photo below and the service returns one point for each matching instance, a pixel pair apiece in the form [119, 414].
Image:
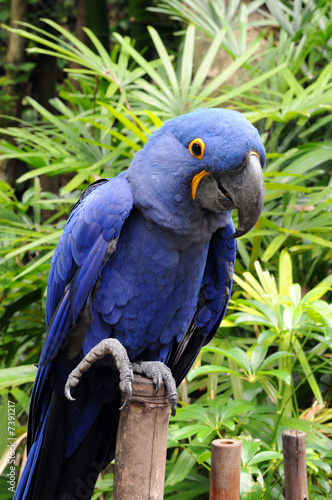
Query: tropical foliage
[269, 367]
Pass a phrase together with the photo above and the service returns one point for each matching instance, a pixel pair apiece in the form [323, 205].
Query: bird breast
[148, 289]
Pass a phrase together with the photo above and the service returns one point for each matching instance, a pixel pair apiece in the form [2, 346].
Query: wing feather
[89, 238]
[211, 305]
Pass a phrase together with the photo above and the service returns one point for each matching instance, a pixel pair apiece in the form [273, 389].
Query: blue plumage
[146, 258]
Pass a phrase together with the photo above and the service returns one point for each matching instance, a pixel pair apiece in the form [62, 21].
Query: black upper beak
[242, 190]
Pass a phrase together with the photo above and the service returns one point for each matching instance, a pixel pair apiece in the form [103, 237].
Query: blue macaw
[145, 260]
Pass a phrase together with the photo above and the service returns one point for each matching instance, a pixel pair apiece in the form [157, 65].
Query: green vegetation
[269, 367]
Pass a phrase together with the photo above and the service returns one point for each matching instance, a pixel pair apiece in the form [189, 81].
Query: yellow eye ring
[196, 148]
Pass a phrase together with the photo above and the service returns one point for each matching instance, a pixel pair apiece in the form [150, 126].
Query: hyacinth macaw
[146, 258]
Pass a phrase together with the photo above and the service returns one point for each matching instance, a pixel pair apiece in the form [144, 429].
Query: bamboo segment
[296, 484]
[140, 455]
[225, 469]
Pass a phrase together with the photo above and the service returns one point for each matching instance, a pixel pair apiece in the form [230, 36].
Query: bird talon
[67, 392]
[173, 399]
[158, 373]
[126, 387]
[121, 360]
[157, 381]
[127, 399]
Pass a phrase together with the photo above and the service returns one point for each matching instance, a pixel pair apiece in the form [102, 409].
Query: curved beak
[242, 190]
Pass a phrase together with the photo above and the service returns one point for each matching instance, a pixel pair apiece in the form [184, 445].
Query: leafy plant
[265, 376]
[287, 319]
[268, 368]
[209, 17]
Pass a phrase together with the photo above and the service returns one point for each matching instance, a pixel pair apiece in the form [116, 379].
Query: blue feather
[141, 262]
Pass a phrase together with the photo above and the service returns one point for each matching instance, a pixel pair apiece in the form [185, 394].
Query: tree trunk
[140, 18]
[98, 21]
[81, 22]
[45, 89]
[14, 58]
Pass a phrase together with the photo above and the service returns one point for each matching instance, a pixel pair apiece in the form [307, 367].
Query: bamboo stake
[296, 484]
[225, 469]
[140, 455]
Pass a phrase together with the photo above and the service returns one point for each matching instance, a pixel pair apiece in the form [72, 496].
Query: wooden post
[225, 469]
[296, 484]
[140, 455]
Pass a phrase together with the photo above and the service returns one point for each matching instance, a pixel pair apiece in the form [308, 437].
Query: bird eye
[196, 148]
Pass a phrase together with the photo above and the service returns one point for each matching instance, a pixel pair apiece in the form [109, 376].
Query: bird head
[208, 162]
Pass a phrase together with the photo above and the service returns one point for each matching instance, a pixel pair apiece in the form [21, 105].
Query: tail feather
[24, 487]
[69, 442]
[51, 472]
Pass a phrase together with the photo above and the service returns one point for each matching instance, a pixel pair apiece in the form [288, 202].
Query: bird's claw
[121, 360]
[158, 373]
[154, 370]
[126, 387]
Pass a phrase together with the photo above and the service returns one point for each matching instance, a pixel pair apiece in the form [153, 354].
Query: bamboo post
[296, 484]
[140, 455]
[225, 469]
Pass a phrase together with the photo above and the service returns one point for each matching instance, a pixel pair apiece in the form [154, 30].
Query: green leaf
[235, 353]
[266, 310]
[187, 431]
[181, 468]
[257, 356]
[229, 424]
[230, 70]
[253, 288]
[295, 293]
[234, 408]
[157, 122]
[277, 373]
[314, 294]
[308, 372]
[273, 357]
[285, 272]
[286, 187]
[125, 121]
[204, 457]
[273, 247]
[32, 267]
[251, 318]
[267, 337]
[265, 455]
[315, 239]
[206, 369]
[18, 375]
[248, 450]
[239, 90]
[205, 433]
[165, 58]
[20, 396]
[38, 243]
[206, 63]
[144, 64]
[187, 60]
[287, 318]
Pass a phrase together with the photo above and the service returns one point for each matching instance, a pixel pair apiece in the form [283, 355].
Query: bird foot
[158, 373]
[154, 370]
[121, 360]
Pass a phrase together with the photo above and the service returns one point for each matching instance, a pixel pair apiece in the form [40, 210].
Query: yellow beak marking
[196, 180]
[254, 153]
